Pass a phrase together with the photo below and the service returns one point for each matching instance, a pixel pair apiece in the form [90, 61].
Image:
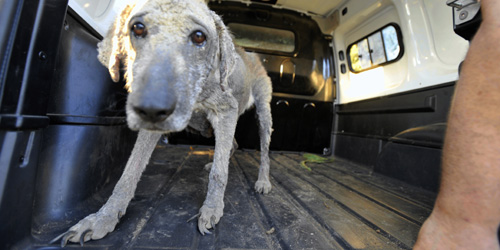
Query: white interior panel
[432, 51]
[100, 14]
[449, 47]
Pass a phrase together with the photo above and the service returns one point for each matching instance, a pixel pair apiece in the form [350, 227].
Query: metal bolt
[463, 14]
[326, 151]
[42, 55]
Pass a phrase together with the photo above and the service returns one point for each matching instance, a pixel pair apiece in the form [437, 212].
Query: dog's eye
[139, 29]
[198, 38]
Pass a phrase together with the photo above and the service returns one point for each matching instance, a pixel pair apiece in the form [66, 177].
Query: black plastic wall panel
[301, 120]
[88, 142]
[28, 42]
[29, 65]
[76, 163]
[298, 125]
[415, 165]
[18, 165]
[387, 116]
[362, 150]
[368, 133]
[82, 92]
[301, 72]
[8, 12]
[64, 137]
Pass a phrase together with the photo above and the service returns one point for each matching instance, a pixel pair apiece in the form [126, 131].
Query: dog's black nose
[153, 114]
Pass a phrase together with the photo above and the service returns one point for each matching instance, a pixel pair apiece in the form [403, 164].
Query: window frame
[400, 42]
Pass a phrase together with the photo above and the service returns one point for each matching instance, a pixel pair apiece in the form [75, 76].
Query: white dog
[182, 71]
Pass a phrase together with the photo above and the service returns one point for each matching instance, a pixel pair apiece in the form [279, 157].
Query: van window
[379, 48]
[263, 38]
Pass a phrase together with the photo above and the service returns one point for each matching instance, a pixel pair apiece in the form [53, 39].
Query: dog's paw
[208, 166]
[208, 218]
[94, 226]
[263, 187]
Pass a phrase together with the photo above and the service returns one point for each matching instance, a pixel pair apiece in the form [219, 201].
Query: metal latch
[460, 4]
[464, 10]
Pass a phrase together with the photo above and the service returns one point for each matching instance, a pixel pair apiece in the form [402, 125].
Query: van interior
[361, 94]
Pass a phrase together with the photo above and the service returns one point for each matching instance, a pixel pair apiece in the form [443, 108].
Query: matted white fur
[174, 84]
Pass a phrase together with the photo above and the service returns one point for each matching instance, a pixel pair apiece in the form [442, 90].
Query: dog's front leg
[97, 225]
[224, 124]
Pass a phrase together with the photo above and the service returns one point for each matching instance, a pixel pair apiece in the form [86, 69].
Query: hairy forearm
[490, 9]
[467, 211]
[470, 188]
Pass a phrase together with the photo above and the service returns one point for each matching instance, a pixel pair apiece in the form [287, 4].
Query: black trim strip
[429, 105]
[59, 119]
[29, 122]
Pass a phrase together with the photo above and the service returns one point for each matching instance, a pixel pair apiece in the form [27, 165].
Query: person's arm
[466, 214]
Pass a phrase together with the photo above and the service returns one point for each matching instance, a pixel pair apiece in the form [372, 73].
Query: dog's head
[170, 50]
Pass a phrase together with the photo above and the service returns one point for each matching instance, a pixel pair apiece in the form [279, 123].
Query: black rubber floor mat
[334, 205]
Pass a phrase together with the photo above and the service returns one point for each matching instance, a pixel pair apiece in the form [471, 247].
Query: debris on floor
[312, 158]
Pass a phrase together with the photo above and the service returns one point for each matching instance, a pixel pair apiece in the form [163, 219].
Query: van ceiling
[312, 7]
[100, 14]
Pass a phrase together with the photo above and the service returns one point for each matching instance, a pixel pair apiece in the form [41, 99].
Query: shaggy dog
[182, 71]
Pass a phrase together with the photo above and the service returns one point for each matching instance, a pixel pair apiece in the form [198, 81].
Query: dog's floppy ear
[111, 48]
[227, 51]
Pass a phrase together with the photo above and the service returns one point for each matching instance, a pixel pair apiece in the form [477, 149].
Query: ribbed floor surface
[337, 205]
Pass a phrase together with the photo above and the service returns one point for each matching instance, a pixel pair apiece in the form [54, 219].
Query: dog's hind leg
[262, 93]
[97, 225]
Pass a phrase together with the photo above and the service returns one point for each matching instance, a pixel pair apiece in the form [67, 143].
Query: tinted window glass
[379, 48]
[392, 47]
[263, 38]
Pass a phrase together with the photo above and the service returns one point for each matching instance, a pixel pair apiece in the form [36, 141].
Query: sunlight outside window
[379, 48]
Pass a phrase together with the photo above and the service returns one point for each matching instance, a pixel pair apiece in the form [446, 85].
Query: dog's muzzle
[154, 107]
[154, 100]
